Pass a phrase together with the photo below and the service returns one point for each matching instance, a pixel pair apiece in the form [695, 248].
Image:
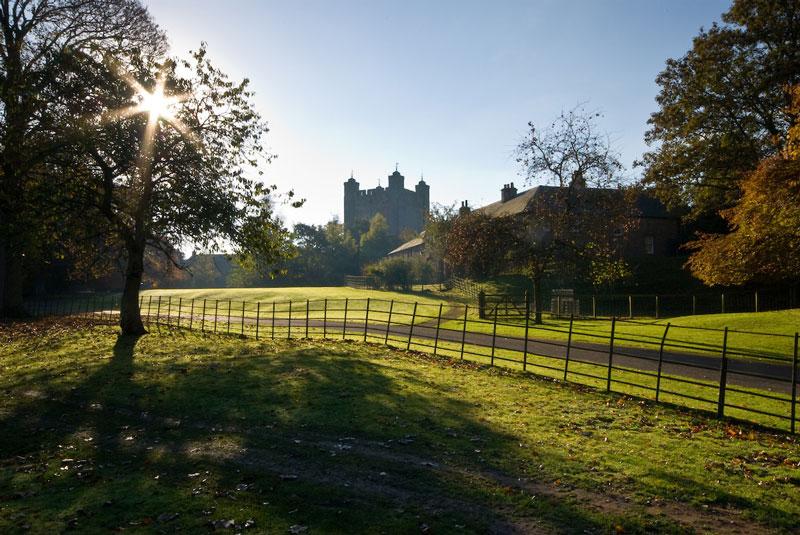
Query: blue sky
[442, 87]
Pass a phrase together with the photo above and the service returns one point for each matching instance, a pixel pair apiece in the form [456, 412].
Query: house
[409, 249]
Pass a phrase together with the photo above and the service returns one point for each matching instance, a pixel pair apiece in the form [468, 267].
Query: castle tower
[351, 193]
[396, 180]
[423, 197]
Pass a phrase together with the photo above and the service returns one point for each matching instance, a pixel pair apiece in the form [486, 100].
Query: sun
[156, 103]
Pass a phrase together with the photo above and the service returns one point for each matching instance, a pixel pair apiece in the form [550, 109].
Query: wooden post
[694, 305]
[158, 313]
[191, 315]
[527, 326]
[464, 331]
[169, 310]
[656, 307]
[756, 301]
[243, 303]
[289, 330]
[494, 337]
[366, 320]
[723, 375]
[229, 316]
[722, 303]
[149, 308]
[569, 347]
[661, 361]
[325, 319]
[180, 305]
[594, 306]
[273, 320]
[794, 384]
[611, 353]
[411, 327]
[307, 313]
[344, 323]
[438, 324]
[630, 307]
[388, 323]
[203, 321]
[258, 317]
[216, 313]
[482, 304]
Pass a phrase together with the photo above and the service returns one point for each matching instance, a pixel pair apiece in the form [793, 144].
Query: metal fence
[641, 305]
[745, 375]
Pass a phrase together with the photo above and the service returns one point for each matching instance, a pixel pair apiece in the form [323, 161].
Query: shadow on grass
[174, 435]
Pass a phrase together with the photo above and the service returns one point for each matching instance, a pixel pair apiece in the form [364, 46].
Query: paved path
[771, 376]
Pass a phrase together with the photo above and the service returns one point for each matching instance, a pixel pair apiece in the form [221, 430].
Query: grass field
[185, 430]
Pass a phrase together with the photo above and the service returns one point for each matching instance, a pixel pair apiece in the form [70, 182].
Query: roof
[647, 205]
[410, 244]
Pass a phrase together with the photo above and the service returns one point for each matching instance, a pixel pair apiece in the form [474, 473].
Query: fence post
[594, 306]
[722, 302]
[191, 314]
[438, 323]
[656, 307]
[527, 326]
[344, 323]
[229, 316]
[216, 313]
[273, 320]
[630, 307]
[149, 308]
[388, 323]
[661, 361]
[169, 310]
[464, 331]
[258, 317]
[325, 319]
[482, 304]
[411, 327]
[203, 321]
[569, 347]
[723, 375]
[289, 330]
[794, 384]
[756, 301]
[366, 320]
[494, 337]
[243, 303]
[307, 313]
[158, 313]
[694, 305]
[180, 304]
[611, 352]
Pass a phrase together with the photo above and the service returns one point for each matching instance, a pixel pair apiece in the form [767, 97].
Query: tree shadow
[294, 434]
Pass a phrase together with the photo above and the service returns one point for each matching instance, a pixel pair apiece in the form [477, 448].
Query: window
[649, 245]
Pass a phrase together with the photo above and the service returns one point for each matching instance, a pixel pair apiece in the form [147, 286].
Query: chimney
[465, 209]
[508, 192]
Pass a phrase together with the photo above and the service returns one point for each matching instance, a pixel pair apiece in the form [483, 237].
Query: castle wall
[402, 208]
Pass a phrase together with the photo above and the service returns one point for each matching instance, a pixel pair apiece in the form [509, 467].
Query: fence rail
[733, 377]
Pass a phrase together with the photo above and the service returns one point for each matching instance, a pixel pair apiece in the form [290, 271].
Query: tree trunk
[537, 299]
[130, 318]
[11, 281]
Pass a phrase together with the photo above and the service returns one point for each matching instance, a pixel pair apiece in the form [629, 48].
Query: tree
[171, 157]
[477, 245]
[763, 244]
[722, 107]
[437, 228]
[581, 222]
[377, 241]
[38, 37]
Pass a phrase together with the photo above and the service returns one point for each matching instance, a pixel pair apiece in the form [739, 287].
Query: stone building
[402, 208]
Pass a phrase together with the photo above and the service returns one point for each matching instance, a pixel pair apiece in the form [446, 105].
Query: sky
[439, 87]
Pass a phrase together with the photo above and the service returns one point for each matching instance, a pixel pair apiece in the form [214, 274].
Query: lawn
[187, 430]
[752, 335]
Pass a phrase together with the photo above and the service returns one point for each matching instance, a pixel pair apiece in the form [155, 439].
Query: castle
[402, 208]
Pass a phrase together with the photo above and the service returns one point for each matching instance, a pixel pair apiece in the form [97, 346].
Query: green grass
[683, 332]
[177, 430]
